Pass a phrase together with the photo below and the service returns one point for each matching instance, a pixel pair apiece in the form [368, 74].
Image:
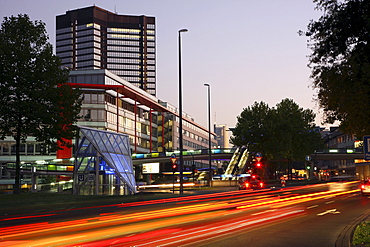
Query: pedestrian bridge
[66, 166]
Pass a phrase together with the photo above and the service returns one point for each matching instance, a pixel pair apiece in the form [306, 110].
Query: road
[293, 216]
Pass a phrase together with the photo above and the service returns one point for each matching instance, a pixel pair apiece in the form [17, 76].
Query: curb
[345, 237]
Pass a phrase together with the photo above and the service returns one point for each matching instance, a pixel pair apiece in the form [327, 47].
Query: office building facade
[94, 38]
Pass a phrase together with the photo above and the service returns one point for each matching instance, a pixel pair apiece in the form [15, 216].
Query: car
[365, 187]
[250, 182]
[343, 183]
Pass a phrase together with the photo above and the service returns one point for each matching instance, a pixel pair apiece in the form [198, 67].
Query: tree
[35, 99]
[340, 62]
[252, 126]
[284, 132]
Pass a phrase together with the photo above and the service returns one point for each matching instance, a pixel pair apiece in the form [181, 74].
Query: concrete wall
[224, 183]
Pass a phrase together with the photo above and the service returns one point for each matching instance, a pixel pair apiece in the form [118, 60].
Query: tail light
[363, 186]
[261, 185]
[247, 185]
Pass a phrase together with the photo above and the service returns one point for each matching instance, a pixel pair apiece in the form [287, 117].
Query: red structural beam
[132, 94]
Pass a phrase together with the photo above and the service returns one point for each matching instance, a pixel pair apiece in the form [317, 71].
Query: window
[64, 48]
[64, 42]
[64, 36]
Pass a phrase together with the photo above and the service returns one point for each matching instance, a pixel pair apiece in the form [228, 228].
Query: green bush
[362, 234]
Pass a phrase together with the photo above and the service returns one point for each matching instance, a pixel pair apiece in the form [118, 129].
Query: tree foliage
[282, 132]
[34, 97]
[340, 62]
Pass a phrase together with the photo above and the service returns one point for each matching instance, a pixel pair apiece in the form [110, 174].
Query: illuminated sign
[150, 168]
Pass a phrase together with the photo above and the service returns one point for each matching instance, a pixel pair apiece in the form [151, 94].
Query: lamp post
[181, 160]
[209, 134]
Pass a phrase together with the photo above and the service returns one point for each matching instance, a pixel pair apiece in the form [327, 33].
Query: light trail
[113, 225]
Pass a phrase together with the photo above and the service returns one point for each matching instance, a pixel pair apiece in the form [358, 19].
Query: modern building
[94, 38]
[334, 138]
[111, 59]
[222, 135]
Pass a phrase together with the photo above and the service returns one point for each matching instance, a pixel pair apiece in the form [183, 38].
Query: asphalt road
[325, 223]
[297, 216]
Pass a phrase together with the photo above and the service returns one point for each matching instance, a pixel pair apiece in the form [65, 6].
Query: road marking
[330, 211]
[314, 206]
[329, 202]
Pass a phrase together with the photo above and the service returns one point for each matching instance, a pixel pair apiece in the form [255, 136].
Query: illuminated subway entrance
[103, 164]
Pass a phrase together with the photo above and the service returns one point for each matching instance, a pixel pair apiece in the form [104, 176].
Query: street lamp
[209, 134]
[181, 165]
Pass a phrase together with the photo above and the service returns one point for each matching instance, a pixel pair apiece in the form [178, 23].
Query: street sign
[173, 155]
[173, 160]
[367, 147]
[81, 177]
[258, 157]
[308, 157]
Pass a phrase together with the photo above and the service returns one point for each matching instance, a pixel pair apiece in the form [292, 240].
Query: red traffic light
[258, 164]
[174, 166]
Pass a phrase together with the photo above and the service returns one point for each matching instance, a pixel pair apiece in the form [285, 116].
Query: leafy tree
[295, 131]
[252, 126]
[340, 62]
[284, 132]
[34, 97]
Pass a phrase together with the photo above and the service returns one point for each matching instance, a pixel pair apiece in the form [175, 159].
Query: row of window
[193, 145]
[150, 44]
[123, 30]
[64, 36]
[129, 31]
[150, 26]
[88, 44]
[88, 51]
[95, 79]
[88, 32]
[86, 26]
[122, 42]
[150, 86]
[124, 36]
[123, 54]
[123, 60]
[66, 60]
[30, 148]
[64, 42]
[88, 57]
[191, 126]
[65, 54]
[131, 79]
[122, 73]
[63, 48]
[88, 63]
[64, 30]
[124, 66]
[88, 38]
[123, 48]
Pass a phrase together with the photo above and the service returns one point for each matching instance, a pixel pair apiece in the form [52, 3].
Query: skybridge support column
[135, 113]
[117, 99]
[75, 169]
[163, 140]
[150, 130]
[97, 174]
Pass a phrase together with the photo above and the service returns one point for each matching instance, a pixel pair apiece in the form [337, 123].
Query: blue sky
[247, 50]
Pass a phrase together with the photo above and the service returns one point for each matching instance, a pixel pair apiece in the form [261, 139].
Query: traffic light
[308, 167]
[174, 167]
[258, 164]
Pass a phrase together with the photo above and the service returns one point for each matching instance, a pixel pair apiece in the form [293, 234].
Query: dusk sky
[247, 50]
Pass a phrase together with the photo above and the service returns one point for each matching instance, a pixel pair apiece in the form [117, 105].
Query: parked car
[250, 182]
[365, 187]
